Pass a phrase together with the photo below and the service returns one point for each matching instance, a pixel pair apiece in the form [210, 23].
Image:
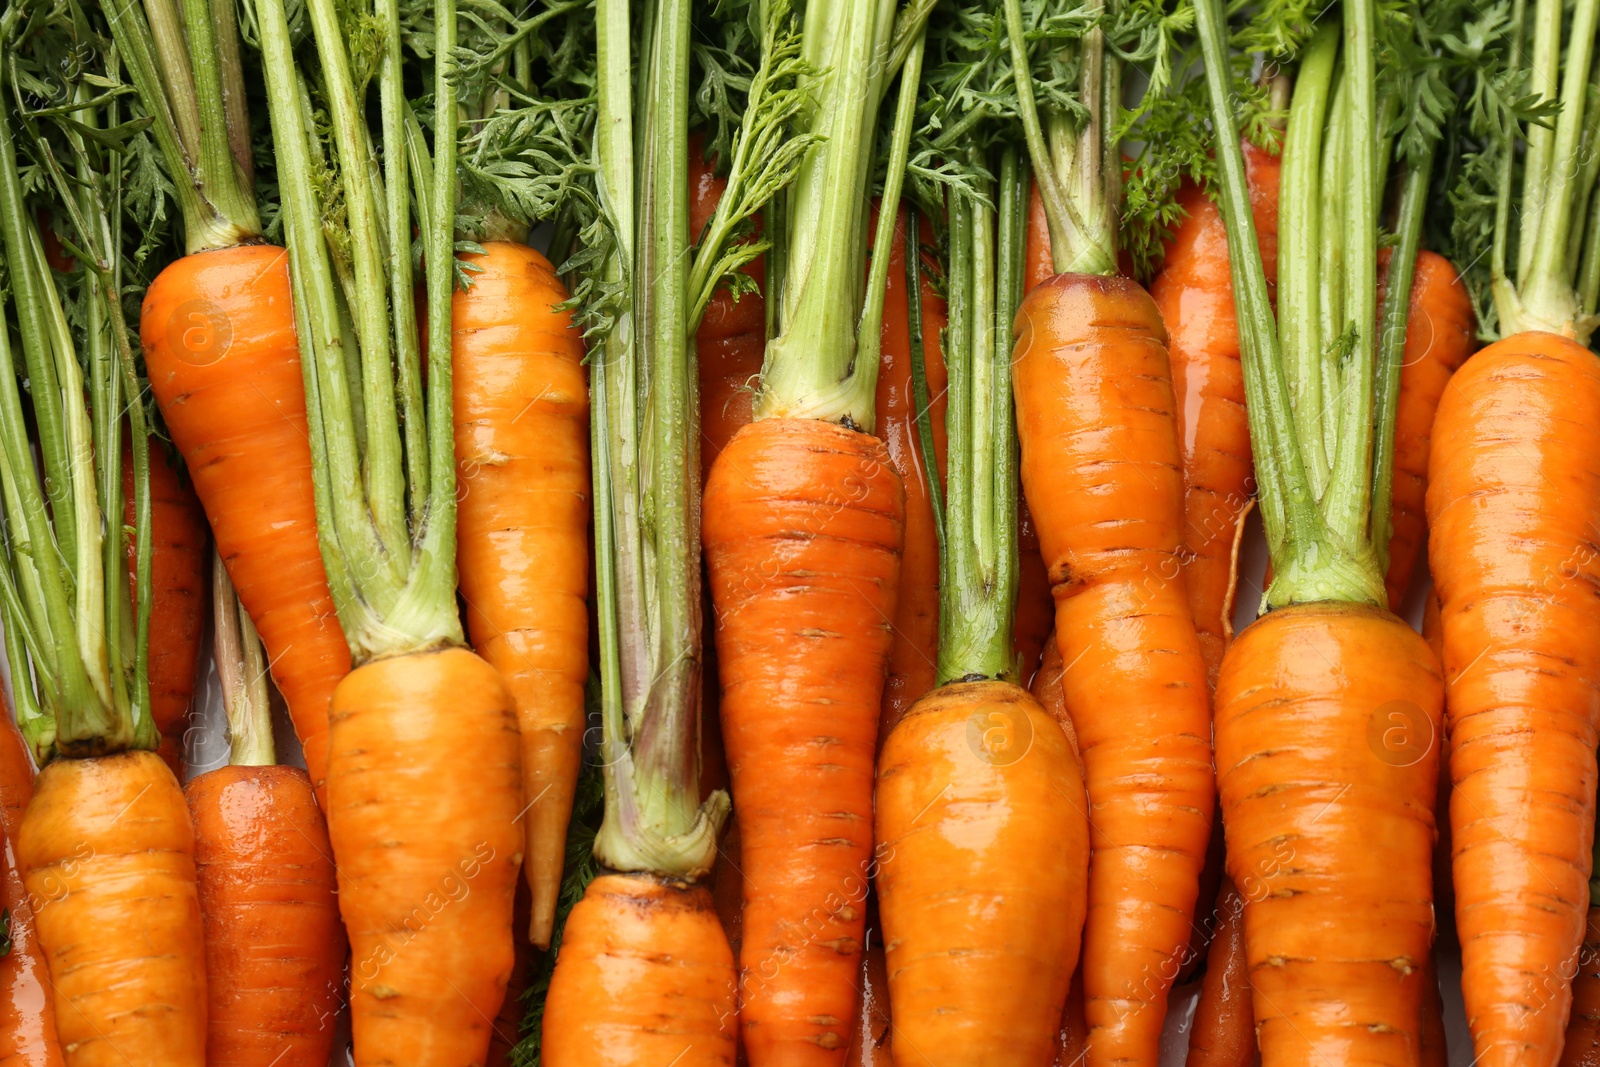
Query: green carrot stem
[242, 672]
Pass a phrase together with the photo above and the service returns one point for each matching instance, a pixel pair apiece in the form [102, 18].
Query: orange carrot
[27, 1009]
[654, 950]
[1440, 335]
[916, 613]
[219, 341]
[522, 460]
[275, 950]
[1510, 515]
[1582, 1047]
[107, 854]
[870, 1045]
[178, 561]
[1223, 1032]
[1099, 451]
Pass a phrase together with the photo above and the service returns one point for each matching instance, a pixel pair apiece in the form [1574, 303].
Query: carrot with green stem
[217, 334]
[803, 526]
[105, 846]
[275, 950]
[424, 782]
[645, 944]
[1101, 471]
[1512, 510]
[1328, 708]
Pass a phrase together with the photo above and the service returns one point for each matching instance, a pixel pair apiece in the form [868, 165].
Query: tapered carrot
[217, 330]
[1582, 1043]
[916, 613]
[1440, 335]
[27, 1009]
[275, 950]
[1223, 1033]
[178, 563]
[522, 459]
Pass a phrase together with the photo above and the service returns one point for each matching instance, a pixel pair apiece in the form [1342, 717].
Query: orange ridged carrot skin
[645, 976]
[107, 854]
[803, 524]
[1224, 1030]
[27, 1012]
[1101, 470]
[1582, 1046]
[914, 658]
[1328, 717]
[179, 576]
[218, 335]
[275, 950]
[522, 528]
[1194, 293]
[982, 877]
[424, 787]
[1513, 503]
[1440, 335]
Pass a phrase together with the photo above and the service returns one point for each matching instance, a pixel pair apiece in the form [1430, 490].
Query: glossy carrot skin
[984, 855]
[275, 950]
[644, 977]
[424, 787]
[803, 526]
[1327, 723]
[1223, 1033]
[871, 1044]
[914, 658]
[27, 1011]
[522, 528]
[1582, 1046]
[218, 335]
[1194, 293]
[1440, 335]
[179, 570]
[1101, 470]
[107, 854]
[1513, 503]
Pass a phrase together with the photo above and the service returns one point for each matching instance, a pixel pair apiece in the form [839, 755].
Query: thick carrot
[219, 341]
[1513, 502]
[1440, 335]
[178, 564]
[1101, 468]
[275, 950]
[947, 808]
[426, 914]
[1195, 296]
[803, 531]
[522, 462]
[653, 948]
[27, 1010]
[1223, 1033]
[1582, 1047]
[1338, 698]
[913, 657]
[107, 854]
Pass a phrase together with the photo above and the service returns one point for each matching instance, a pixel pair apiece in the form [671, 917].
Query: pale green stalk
[242, 672]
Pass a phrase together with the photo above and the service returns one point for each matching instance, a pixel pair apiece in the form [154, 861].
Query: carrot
[1223, 1033]
[217, 330]
[1193, 294]
[27, 1009]
[1327, 707]
[178, 571]
[507, 1026]
[521, 410]
[870, 1045]
[275, 950]
[916, 612]
[1582, 1044]
[1440, 335]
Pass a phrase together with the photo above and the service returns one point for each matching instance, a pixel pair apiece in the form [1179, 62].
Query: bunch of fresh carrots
[712, 533]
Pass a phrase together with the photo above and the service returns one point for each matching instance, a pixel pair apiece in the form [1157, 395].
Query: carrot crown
[1542, 271]
[75, 639]
[185, 61]
[1320, 384]
[822, 363]
[643, 295]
